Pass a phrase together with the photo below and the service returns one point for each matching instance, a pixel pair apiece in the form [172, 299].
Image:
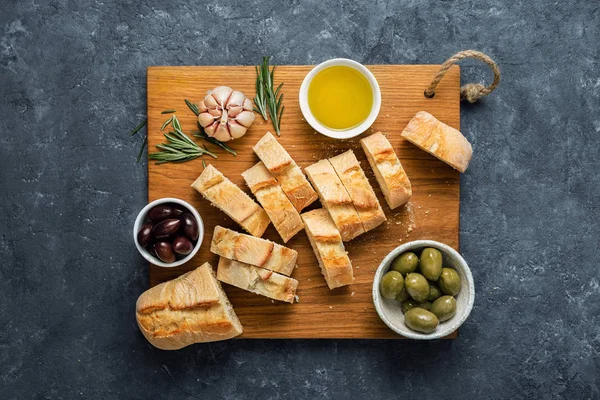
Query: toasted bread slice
[230, 199]
[359, 189]
[254, 251]
[257, 280]
[326, 242]
[286, 171]
[387, 168]
[269, 194]
[335, 199]
[440, 140]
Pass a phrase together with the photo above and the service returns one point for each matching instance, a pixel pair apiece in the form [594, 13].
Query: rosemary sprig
[168, 112]
[274, 97]
[204, 136]
[140, 126]
[260, 100]
[203, 164]
[180, 148]
[193, 107]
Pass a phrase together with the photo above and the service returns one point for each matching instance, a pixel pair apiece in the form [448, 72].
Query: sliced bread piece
[192, 308]
[326, 242]
[269, 194]
[358, 187]
[254, 251]
[286, 171]
[440, 140]
[335, 199]
[257, 280]
[387, 168]
[230, 199]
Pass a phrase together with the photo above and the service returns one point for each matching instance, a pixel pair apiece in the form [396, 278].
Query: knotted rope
[471, 91]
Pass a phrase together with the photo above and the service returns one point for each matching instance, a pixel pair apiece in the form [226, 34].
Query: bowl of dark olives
[423, 290]
[168, 232]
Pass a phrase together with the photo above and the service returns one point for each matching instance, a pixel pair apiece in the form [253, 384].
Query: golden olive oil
[340, 97]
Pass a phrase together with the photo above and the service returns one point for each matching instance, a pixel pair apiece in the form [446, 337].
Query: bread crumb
[297, 299]
[409, 230]
[352, 294]
[330, 307]
[273, 301]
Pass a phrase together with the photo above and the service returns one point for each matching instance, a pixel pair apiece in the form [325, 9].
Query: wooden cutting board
[432, 213]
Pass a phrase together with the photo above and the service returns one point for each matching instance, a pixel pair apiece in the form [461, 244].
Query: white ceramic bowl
[142, 218]
[389, 310]
[347, 133]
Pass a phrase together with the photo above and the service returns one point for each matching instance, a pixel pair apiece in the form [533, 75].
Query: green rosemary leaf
[175, 123]
[203, 164]
[167, 122]
[140, 126]
[144, 143]
[193, 107]
[168, 112]
[203, 135]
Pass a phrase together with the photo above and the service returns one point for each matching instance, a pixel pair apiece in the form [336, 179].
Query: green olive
[434, 292]
[405, 263]
[449, 282]
[419, 319]
[391, 284]
[403, 296]
[417, 286]
[430, 263]
[410, 304]
[444, 308]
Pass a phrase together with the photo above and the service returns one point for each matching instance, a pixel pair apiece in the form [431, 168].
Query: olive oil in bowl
[340, 97]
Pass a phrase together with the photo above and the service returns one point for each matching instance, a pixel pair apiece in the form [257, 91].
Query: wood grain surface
[432, 213]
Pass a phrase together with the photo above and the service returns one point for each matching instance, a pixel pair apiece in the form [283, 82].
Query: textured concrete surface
[72, 85]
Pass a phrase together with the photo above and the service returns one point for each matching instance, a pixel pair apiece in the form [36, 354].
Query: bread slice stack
[388, 171]
[252, 250]
[228, 197]
[326, 242]
[359, 189]
[286, 171]
[257, 265]
[440, 140]
[257, 280]
[269, 194]
[192, 308]
[335, 199]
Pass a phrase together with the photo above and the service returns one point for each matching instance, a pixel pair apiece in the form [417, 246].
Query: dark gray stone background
[72, 87]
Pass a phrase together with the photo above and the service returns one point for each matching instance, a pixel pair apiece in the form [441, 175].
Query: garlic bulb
[225, 114]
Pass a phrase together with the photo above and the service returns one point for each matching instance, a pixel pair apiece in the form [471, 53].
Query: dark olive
[152, 250]
[166, 228]
[160, 212]
[182, 245]
[144, 236]
[177, 211]
[164, 251]
[189, 226]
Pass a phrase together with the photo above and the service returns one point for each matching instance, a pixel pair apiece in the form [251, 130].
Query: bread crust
[254, 251]
[335, 199]
[192, 308]
[257, 280]
[440, 140]
[286, 171]
[389, 173]
[326, 242]
[277, 205]
[229, 198]
[359, 189]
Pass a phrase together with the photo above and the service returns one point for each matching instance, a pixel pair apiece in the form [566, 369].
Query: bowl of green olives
[423, 290]
[168, 232]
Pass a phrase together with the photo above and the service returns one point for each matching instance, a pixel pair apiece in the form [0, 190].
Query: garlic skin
[225, 114]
